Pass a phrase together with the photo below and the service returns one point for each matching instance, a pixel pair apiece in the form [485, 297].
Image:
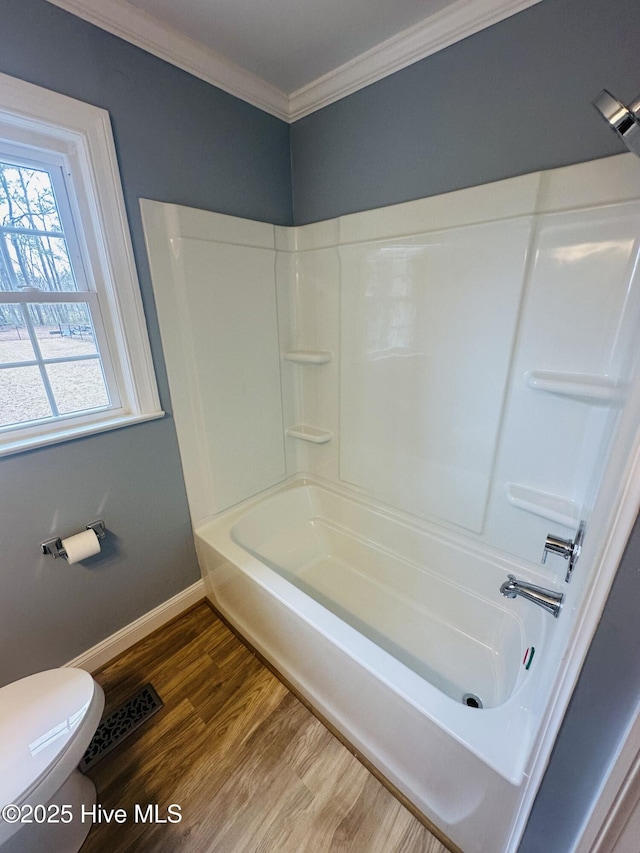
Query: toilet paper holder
[54, 546]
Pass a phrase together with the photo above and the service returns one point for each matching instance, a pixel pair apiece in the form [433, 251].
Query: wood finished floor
[252, 769]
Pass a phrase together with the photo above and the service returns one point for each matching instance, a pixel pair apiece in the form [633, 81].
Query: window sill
[20, 445]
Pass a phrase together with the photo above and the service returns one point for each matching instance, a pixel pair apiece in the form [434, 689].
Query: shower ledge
[309, 433]
[583, 386]
[307, 356]
[552, 507]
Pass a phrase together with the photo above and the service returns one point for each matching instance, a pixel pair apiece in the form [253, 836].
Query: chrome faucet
[547, 599]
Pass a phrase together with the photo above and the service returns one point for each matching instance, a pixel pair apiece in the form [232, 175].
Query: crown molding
[451, 24]
[143, 30]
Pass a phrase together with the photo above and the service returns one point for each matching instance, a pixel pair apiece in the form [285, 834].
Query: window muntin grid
[44, 294]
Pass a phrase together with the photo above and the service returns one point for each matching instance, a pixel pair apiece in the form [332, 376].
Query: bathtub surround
[376, 315]
[344, 316]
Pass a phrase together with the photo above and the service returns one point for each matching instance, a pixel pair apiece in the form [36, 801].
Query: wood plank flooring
[250, 766]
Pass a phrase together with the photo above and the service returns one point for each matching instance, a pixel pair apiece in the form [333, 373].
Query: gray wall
[180, 140]
[509, 100]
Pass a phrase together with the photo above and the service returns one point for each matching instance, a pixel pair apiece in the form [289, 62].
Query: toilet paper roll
[81, 546]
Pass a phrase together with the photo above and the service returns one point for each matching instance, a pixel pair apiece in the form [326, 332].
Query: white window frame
[44, 124]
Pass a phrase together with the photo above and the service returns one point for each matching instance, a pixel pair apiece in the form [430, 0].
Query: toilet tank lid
[38, 718]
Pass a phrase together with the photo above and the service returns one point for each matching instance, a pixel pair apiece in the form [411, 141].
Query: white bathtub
[385, 627]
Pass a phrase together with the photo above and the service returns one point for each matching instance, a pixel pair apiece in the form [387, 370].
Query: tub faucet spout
[548, 599]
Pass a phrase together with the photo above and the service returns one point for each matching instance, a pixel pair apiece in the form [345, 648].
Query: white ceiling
[292, 57]
[289, 43]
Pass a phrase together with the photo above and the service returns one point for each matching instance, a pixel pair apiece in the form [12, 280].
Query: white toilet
[47, 721]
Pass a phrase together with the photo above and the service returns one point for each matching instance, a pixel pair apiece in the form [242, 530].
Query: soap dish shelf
[307, 356]
[562, 510]
[304, 432]
[592, 388]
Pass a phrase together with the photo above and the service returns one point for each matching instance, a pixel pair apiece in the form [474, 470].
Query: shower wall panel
[428, 325]
[214, 283]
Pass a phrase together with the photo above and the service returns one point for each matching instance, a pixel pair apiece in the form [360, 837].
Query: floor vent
[120, 724]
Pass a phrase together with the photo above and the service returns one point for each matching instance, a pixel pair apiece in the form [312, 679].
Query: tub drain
[471, 700]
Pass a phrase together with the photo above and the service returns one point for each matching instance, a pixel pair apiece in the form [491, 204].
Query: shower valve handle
[567, 548]
[555, 545]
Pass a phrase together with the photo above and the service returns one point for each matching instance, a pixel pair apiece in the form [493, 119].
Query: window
[74, 353]
[53, 356]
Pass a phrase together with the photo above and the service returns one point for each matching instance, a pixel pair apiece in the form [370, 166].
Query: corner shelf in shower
[552, 507]
[309, 433]
[307, 356]
[592, 388]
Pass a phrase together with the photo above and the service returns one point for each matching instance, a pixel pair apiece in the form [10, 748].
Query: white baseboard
[123, 639]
